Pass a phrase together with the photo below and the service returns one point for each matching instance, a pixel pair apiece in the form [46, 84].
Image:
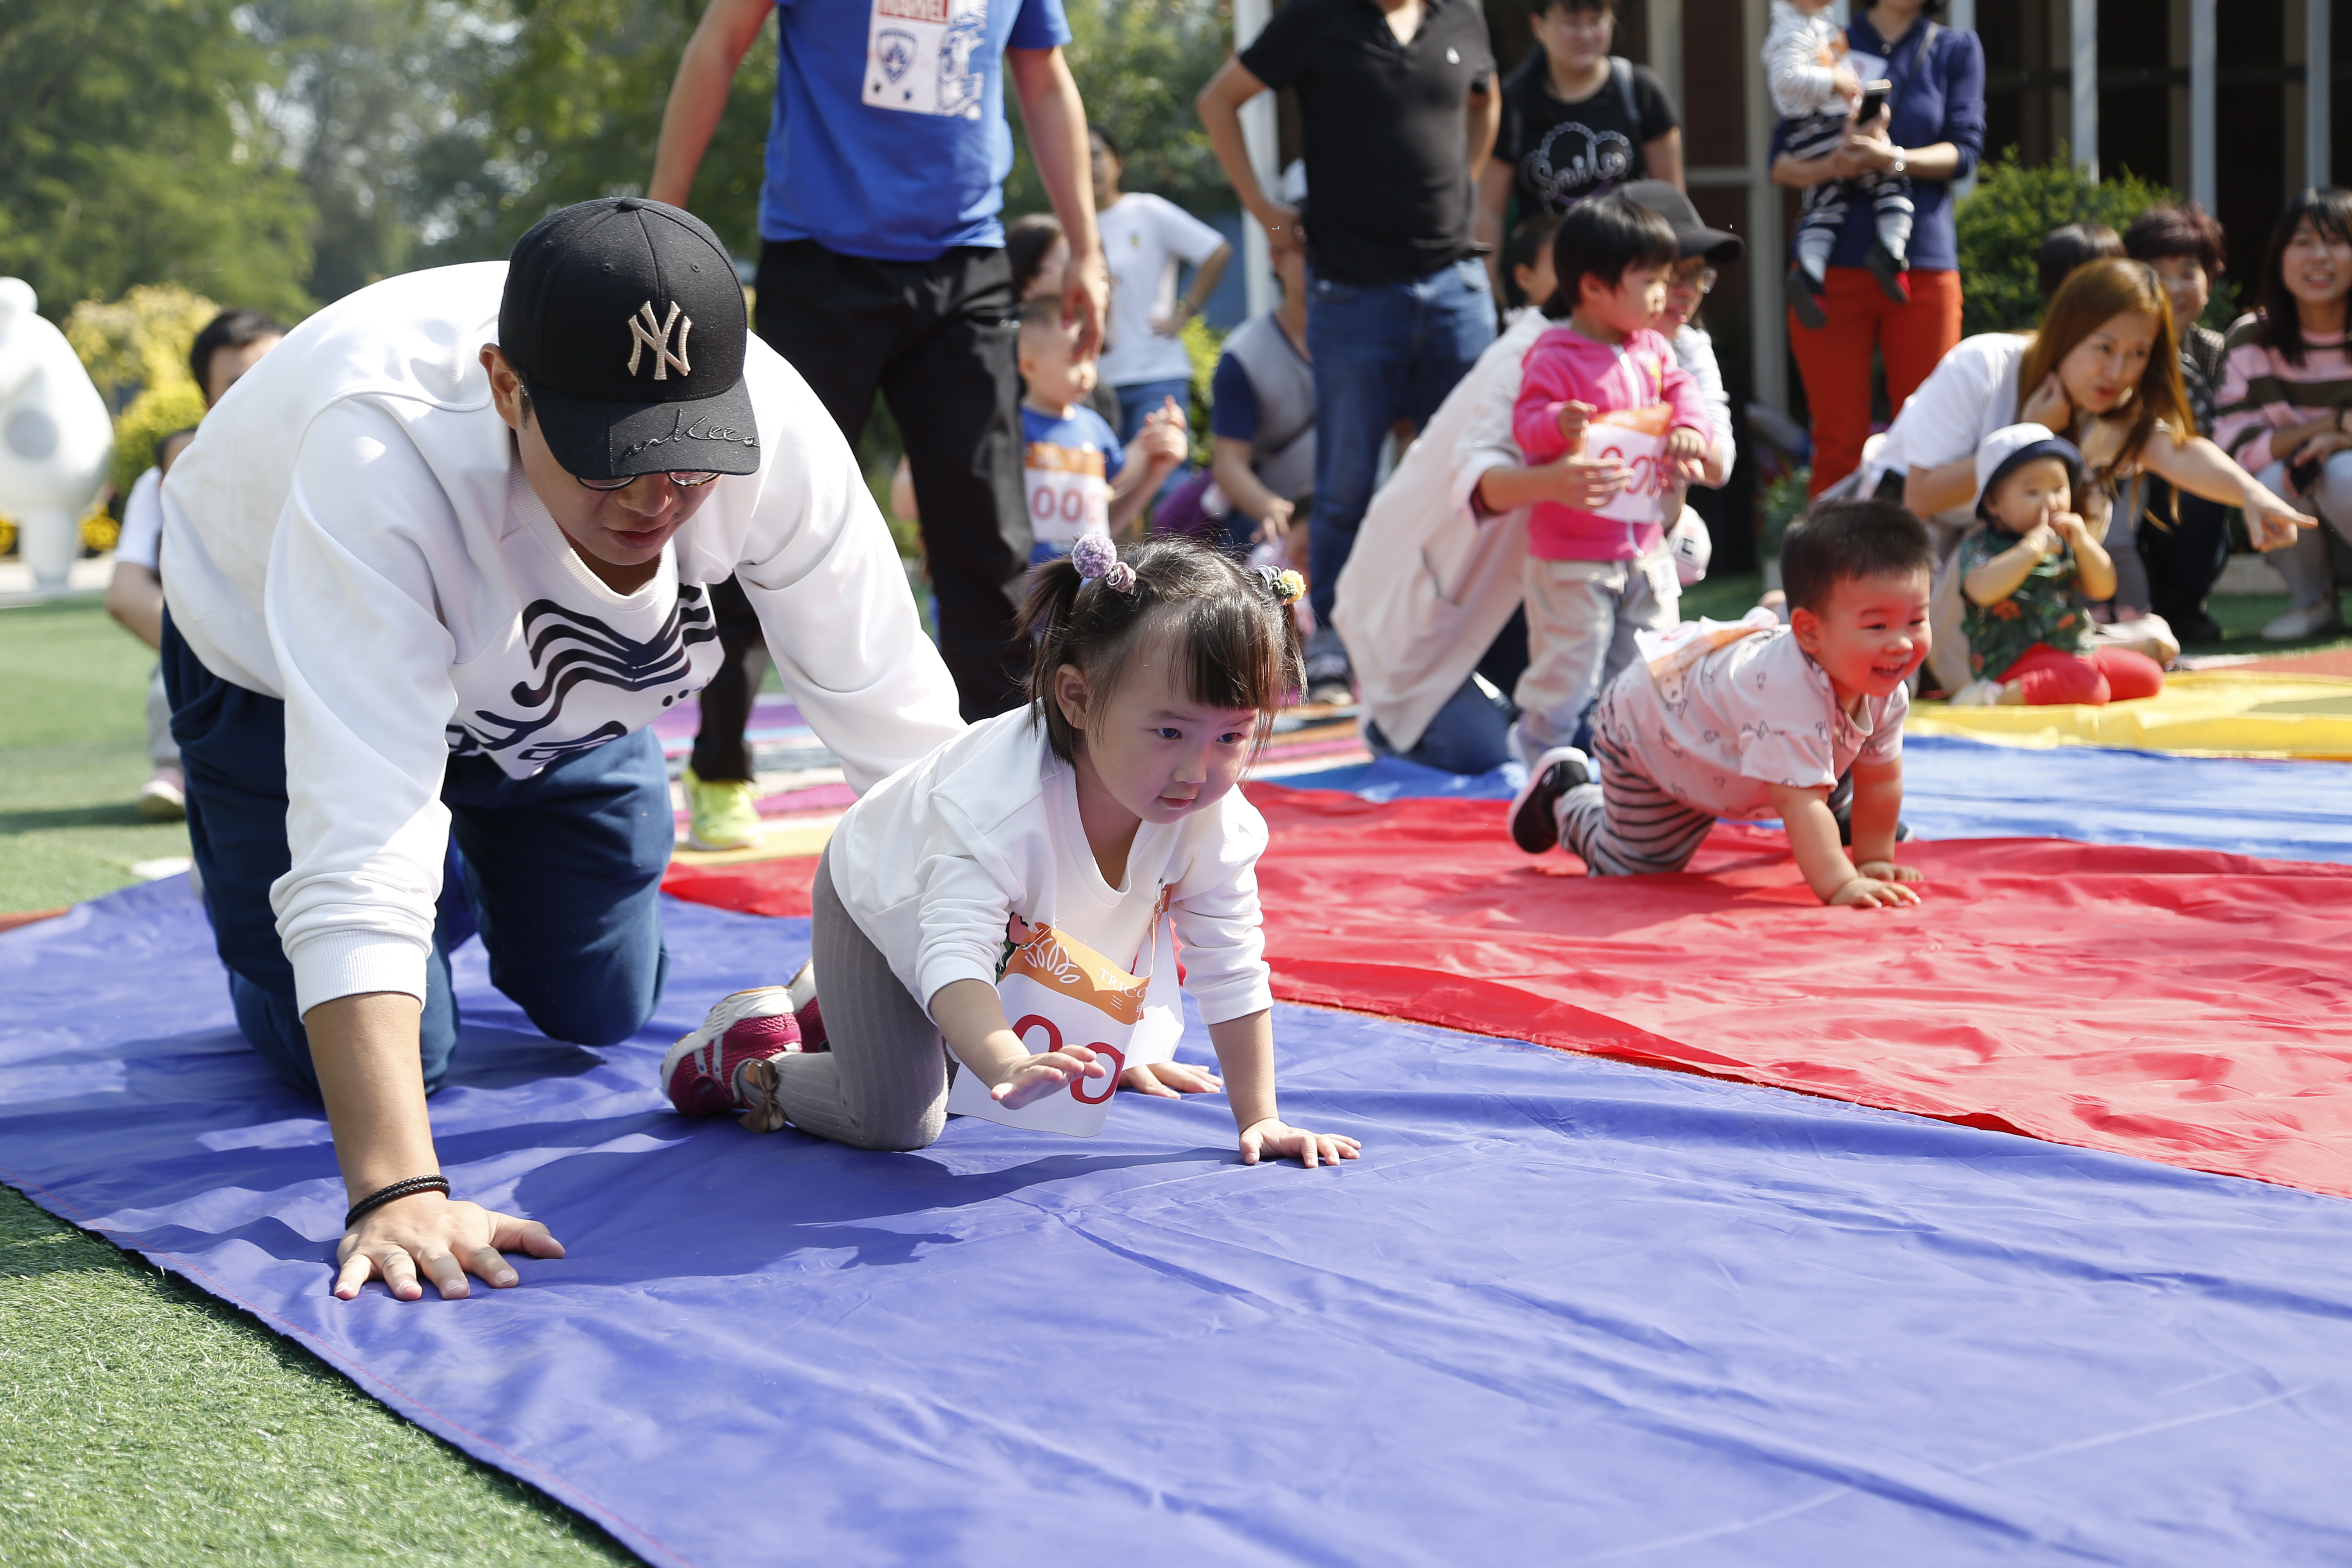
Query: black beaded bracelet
[407, 1188]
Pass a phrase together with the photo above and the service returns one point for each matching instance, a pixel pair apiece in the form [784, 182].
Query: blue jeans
[1382, 353]
[1143, 397]
[560, 873]
[1467, 736]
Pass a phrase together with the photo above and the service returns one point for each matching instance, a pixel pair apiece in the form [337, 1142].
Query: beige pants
[1581, 617]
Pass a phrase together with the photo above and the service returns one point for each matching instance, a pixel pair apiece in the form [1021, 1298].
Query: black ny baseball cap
[625, 320]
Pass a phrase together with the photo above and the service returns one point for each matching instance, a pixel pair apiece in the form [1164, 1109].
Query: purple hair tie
[1097, 558]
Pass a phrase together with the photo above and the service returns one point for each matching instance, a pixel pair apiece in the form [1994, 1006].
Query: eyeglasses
[686, 480]
[1702, 280]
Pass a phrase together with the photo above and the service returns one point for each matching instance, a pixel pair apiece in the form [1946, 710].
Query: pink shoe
[803, 991]
[702, 1074]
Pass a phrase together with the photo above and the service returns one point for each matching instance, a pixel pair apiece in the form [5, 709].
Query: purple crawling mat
[1565, 1311]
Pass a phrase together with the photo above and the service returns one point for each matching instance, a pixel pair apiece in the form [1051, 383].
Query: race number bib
[1637, 439]
[1068, 494]
[1058, 991]
[926, 56]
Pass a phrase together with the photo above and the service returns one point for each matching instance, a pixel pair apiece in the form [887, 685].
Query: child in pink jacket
[1605, 387]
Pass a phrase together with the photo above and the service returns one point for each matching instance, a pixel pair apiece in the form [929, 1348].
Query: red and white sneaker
[803, 994]
[702, 1074]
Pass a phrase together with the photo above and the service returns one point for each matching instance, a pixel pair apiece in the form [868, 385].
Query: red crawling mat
[2185, 1006]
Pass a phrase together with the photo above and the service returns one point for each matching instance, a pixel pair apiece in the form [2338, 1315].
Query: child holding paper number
[1605, 382]
[1104, 805]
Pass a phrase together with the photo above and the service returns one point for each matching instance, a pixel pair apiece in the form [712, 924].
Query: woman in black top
[1576, 123]
[2184, 541]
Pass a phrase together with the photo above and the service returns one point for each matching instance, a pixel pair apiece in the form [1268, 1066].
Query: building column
[1768, 312]
[2318, 84]
[1258, 132]
[2204, 173]
[2084, 80]
[1666, 29]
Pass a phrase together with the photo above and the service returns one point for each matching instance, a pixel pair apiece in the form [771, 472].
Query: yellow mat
[2216, 712]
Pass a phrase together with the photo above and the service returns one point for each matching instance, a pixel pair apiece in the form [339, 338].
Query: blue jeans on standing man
[559, 874]
[1382, 353]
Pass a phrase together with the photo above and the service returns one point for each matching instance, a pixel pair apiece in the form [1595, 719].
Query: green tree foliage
[2002, 222]
[1139, 64]
[377, 110]
[134, 149]
[136, 351]
[573, 107]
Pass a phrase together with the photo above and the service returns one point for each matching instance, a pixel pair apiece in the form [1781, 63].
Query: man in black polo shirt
[1397, 104]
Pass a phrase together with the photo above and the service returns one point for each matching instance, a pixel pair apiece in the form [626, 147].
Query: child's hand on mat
[1888, 871]
[1026, 1079]
[1868, 892]
[429, 1234]
[1170, 1079]
[1275, 1140]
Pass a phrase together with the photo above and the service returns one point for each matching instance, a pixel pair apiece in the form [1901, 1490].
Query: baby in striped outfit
[1757, 720]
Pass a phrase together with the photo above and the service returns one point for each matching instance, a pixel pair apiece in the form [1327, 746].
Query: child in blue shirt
[1077, 479]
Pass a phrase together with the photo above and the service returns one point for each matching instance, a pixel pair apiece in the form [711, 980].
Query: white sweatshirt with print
[351, 531]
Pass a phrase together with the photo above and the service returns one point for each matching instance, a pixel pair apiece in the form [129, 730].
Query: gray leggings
[883, 1082]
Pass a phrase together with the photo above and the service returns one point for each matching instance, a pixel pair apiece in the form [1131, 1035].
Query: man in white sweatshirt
[431, 568]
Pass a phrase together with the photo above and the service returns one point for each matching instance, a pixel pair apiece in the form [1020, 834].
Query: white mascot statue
[55, 438]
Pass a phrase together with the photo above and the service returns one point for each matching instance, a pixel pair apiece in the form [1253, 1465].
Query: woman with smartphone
[1931, 131]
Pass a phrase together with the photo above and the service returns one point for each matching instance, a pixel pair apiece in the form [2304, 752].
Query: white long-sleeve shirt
[1799, 83]
[351, 532]
[933, 861]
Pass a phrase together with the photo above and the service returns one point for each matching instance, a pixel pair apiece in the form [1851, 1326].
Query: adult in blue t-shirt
[882, 258]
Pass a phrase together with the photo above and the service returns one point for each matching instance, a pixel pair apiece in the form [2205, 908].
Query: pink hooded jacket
[1566, 366]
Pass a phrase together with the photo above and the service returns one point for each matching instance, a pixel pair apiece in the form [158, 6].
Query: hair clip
[1288, 587]
[1097, 559]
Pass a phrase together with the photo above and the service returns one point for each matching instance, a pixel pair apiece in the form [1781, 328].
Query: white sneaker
[2306, 621]
[1978, 693]
[164, 797]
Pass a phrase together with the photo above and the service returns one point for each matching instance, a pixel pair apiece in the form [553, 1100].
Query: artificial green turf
[73, 752]
[144, 1421]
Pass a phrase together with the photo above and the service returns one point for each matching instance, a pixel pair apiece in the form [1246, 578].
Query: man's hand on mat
[1888, 871]
[430, 1235]
[1274, 1140]
[1170, 1079]
[1869, 893]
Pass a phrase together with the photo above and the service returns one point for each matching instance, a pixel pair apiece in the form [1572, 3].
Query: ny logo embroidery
[645, 334]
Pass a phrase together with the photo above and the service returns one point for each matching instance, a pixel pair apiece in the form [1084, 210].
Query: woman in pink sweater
[1605, 387]
[2286, 398]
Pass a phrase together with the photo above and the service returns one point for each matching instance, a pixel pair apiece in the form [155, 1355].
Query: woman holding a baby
[2103, 372]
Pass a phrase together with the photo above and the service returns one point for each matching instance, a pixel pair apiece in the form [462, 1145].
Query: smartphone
[2302, 473]
[1874, 100]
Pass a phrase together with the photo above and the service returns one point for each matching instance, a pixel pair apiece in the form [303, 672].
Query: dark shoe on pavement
[1805, 298]
[1535, 812]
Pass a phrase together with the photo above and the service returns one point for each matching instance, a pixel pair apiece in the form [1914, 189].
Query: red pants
[2093, 679]
[1835, 360]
